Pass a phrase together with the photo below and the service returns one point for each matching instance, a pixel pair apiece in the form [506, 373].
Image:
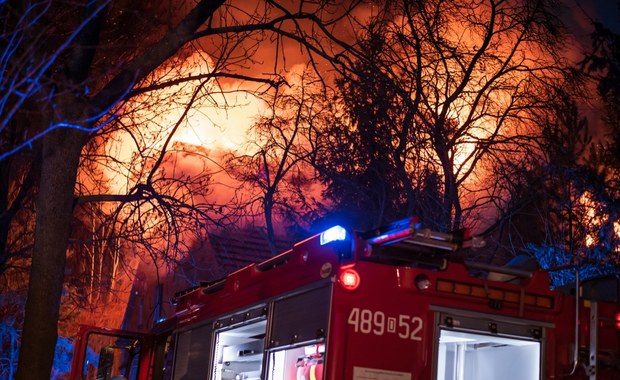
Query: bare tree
[275, 175]
[441, 99]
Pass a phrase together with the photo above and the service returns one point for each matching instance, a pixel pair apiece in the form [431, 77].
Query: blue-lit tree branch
[562, 265]
[95, 121]
[13, 42]
[22, 87]
[28, 143]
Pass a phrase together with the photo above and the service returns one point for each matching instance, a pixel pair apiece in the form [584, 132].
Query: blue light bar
[336, 233]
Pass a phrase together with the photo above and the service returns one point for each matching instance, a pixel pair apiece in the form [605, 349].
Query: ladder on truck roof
[410, 232]
[407, 241]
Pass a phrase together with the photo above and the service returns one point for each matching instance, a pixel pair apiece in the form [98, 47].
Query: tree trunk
[5, 217]
[271, 235]
[61, 152]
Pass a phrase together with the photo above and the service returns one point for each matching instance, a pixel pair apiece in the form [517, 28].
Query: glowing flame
[595, 222]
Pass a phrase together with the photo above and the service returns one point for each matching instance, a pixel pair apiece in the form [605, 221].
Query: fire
[591, 219]
[223, 111]
[202, 114]
[595, 221]
[198, 123]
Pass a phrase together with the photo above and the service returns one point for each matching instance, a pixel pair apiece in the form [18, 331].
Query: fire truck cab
[388, 304]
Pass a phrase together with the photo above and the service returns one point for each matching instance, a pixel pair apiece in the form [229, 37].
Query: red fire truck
[388, 304]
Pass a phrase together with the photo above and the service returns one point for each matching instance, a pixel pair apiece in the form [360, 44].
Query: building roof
[233, 251]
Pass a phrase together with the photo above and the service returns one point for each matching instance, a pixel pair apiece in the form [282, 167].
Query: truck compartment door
[296, 343]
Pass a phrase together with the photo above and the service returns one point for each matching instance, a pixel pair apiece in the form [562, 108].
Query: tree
[578, 175]
[441, 101]
[388, 184]
[65, 126]
[603, 65]
[595, 208]
[69, 73]
[275, 176]
[558, 189]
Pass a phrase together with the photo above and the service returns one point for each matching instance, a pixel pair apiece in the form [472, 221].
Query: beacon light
[336, 233]
[349, 279]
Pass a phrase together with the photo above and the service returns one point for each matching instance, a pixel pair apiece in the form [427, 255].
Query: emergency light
[336, 233]
[349, 278]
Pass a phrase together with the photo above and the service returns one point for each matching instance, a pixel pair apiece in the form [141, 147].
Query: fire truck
[388, 304]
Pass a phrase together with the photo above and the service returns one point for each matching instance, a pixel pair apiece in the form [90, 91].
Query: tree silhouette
[603, 65]
[441, 101]
[275, 173]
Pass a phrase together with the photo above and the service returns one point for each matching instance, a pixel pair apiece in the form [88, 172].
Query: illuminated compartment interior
[239, 352]
[299, 363]
[471, 356]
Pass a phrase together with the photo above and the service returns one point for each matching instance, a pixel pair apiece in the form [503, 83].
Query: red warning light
[349, 279]
[618, 320]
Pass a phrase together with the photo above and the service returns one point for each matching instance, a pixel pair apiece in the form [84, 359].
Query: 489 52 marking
[367, 321]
